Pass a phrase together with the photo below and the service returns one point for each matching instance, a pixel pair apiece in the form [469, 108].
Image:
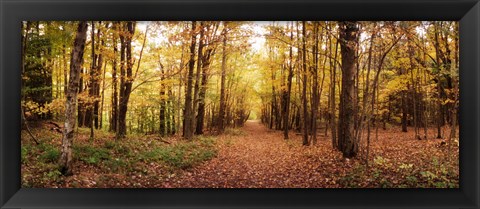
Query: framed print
[251, 104]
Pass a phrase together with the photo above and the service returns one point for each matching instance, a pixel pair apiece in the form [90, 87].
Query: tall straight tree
[305, 83]
[163, 103]
[189, 111]
[315, 92]
[209, 42]
[76, 62]
[92, 85]
[333, 73]
[287, 93]
[196, 89]
[126, 76]
[98, 74]
[221, 114]
[114, 114]
[348, 45]
[92, 114]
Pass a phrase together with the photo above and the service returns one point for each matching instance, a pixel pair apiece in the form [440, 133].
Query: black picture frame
[12, 12]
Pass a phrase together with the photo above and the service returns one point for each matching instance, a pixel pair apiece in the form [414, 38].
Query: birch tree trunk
[71, 98]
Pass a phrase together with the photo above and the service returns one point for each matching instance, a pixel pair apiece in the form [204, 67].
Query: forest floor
[249, 157]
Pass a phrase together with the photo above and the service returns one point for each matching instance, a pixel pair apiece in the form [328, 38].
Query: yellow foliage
[57, 106]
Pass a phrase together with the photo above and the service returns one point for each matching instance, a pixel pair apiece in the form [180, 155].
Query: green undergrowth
[182, 155]
[385, 173]
[129, 156]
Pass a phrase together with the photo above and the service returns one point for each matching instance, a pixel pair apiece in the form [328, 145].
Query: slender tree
[189, 111]
[221, 114]
[126, 76]
[305, 83]
[333, 81]
[114, 111]
[76, 62]
[210, 42]
[288, 92]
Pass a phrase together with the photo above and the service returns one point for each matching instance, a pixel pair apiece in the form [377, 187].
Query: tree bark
[196, 89]
[206, 60]
[114, 116]
[221, 114]
[189, 113]
[126, 76]
[65, 76]
[411, 54]
[333, 73]
[287, 94]
[304, 88]
[348, 44]
[71, 98]
[404, 110]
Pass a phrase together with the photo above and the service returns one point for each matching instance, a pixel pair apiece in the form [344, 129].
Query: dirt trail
[256, 157]
[259, 157]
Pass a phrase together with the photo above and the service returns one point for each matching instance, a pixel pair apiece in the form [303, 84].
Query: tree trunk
[411, 54]
[65, 76]
[163, 117]
[304, 89]
[98, 69]
[289, 87]
[203, 91]
[404, 111]
[173, 127]
[189, 113]
[196, 89]
[315, 93]
[114, 116]
[273, 103]
[221, 114]
[76, 61]
[333, 73]
[92, 85]
[454, 95]
[126, 78]
[81, 103]
[348, 44]
[100, 125]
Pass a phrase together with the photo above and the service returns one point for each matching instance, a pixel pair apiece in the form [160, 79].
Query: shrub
[52, 175]
[152, 155]
[122, 149]
[116, 165]
[24, 153]
[50, 153]
[109, 144]
[91, 155]
[183, 155]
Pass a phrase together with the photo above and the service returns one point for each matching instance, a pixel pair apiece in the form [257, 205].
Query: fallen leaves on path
[256, 157]
[261, 158]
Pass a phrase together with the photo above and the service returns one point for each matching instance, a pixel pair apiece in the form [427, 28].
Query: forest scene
[240, 104]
